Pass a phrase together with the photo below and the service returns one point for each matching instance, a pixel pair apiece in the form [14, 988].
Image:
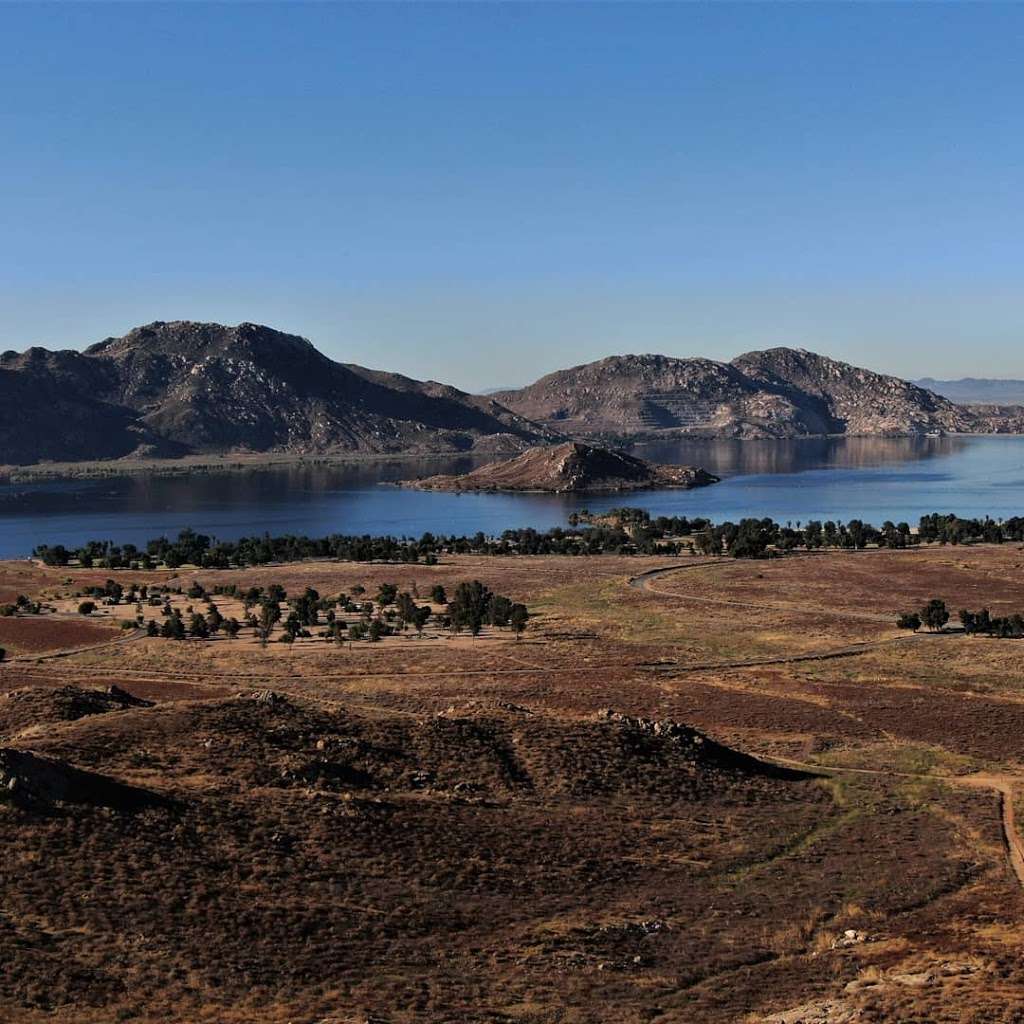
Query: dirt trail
[1001, 785]
[124, 637]
[644, 581]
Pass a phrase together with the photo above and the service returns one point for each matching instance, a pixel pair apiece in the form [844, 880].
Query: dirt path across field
[645, 580]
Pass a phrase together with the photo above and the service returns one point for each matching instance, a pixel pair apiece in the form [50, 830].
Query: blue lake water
[873, 479]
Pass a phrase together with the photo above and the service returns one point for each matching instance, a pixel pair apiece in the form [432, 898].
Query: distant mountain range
[977, 390]
[172, 389]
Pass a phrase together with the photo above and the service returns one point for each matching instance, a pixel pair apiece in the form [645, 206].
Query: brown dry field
[448, 829]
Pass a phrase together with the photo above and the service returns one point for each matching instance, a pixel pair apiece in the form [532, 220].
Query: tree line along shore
[622, 531]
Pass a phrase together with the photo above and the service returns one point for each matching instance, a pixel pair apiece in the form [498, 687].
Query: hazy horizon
[482, 194]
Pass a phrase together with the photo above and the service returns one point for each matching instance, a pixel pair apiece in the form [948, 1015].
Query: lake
[840, 478]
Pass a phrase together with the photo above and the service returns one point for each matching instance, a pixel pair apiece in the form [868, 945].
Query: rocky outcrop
[572, 467]
[777, 393]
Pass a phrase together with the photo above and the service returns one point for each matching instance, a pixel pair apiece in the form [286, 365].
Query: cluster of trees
[622, 531]
[471, 606]
[934, 615]
[200, 625]
[20, 606]
[1005, 627]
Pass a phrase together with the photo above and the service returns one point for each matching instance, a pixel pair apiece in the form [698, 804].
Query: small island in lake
[572, 467]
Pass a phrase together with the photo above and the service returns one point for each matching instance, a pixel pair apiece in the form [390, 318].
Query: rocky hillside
[570, 467]
[781, 392]
[176, 388]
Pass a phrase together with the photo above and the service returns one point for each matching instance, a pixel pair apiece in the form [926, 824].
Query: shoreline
[98, 469]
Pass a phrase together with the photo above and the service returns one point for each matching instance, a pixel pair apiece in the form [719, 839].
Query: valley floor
[449, 829]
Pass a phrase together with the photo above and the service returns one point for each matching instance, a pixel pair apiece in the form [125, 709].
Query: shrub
[86, 608]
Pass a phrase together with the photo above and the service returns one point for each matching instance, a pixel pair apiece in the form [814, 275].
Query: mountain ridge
[183, 388]
[778, 392]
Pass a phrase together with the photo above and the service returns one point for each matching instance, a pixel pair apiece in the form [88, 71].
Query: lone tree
[517, 619]
[86, 608]
[909, 620]
[935, 614]
[406, 607]
[269, 613]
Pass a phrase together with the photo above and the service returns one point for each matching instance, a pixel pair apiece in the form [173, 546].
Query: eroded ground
[448, 829]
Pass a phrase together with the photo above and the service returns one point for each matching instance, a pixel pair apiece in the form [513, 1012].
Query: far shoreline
[98, 469]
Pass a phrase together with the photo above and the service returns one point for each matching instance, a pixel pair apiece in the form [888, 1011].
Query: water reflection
[821, 478]
[744, 458]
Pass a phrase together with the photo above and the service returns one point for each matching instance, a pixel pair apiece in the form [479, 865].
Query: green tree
[934, 614]
[268, 613]
[406, 607]
[173, 628]
[518, 618]
[421, 618]
[87, 608]
[500, 610]
[909, 620]
[470, 606]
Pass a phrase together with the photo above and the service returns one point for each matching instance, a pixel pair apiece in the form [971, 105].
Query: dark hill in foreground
[265, 858]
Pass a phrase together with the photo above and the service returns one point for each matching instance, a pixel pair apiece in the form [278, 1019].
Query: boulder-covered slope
[181, 387]
[780, 392]
[571, 467]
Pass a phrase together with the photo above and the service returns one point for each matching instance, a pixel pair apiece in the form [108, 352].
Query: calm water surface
[874, 479]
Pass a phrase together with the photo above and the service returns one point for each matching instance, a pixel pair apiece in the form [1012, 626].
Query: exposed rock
[570, 467]
[781, 392]
[269, 697]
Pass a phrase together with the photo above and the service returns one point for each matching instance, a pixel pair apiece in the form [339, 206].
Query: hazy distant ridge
[981, 390]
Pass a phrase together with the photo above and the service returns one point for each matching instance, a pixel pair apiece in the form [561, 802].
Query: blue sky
[484, 193]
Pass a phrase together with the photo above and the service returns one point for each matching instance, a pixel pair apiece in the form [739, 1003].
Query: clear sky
[484, 193]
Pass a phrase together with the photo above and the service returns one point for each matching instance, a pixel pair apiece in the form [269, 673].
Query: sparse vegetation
[432, 800]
